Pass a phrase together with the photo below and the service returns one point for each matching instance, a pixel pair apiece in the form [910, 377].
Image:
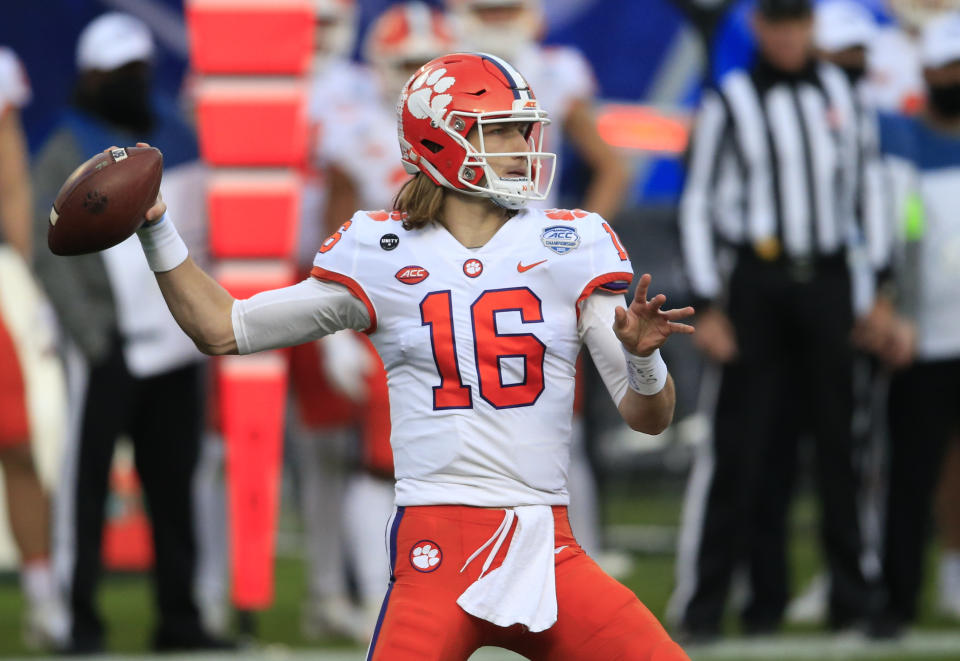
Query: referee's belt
[800, 268]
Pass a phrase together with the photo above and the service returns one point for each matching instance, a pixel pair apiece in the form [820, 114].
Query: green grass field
[126, 604]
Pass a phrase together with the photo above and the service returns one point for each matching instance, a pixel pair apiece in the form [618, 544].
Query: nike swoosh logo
[521, 268]
[557, 550]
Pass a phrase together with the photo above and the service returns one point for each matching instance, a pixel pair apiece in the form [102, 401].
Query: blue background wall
[625, 39]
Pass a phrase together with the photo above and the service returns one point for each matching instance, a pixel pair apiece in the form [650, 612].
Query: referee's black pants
[794, 370]
[924, 409]
[162, 416]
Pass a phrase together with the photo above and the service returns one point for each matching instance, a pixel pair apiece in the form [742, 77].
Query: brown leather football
[104, 200]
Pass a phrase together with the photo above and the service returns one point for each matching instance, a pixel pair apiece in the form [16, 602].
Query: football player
[46, 623]
[478, 308]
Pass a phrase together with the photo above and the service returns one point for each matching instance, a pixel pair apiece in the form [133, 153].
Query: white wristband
[646, 375]
[162, 245]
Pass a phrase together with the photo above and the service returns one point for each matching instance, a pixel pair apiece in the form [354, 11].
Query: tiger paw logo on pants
[425, 556]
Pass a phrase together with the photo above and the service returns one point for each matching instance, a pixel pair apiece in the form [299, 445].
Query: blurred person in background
[327, 376]
[844, 34]
[902, 54]
[766, 219]
[24, 339]
[896, 76]
[130, 369]
[922, 341]
[564, 81]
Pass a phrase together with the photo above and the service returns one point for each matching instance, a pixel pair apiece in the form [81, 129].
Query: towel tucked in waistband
[522, 590]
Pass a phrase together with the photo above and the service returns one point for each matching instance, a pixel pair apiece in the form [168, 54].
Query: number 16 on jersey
[489, 347]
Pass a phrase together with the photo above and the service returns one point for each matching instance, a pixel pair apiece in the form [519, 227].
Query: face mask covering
[854, 74]
[945, 100]
[122, 99]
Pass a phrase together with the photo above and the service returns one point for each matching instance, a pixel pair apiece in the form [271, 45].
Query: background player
[23, 342]
[325, 399]
[565, 84]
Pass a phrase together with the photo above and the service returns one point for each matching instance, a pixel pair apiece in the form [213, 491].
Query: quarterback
[478, 307]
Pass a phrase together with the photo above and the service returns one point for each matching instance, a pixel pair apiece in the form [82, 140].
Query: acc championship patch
[561, 239]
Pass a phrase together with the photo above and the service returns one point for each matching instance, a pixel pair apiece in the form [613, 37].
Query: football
[104, 200]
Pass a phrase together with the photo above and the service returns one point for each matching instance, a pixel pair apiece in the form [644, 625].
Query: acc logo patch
[561, 239]
[411, 275]
[425, 556]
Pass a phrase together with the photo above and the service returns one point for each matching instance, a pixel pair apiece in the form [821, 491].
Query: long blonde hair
[422, 201]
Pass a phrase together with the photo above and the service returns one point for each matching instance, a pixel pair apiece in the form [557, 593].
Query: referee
[766, 220]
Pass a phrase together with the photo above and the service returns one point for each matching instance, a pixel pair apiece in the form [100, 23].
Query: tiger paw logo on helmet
[430, 101]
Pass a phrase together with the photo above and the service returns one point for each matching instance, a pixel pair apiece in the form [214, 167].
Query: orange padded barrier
[250, 36]
[246, 278]
[252, 396]
[253, 214]
[252, 122]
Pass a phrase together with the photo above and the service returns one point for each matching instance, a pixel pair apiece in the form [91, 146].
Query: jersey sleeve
[600, 263]
[293, 315]
[14, 86]
[595, 329]
[340, 260]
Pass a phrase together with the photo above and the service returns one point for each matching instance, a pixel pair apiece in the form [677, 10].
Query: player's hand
[645, 326]
[159, 207]
[715, 336]
[872, 331]
[898, 350]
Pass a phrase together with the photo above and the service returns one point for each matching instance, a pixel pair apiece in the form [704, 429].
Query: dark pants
[794, 372]
[162, 416]
[924, 409]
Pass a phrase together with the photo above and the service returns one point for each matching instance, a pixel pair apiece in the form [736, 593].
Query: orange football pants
[598, 619]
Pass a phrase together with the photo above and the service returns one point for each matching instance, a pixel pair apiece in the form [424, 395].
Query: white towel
[522, 590]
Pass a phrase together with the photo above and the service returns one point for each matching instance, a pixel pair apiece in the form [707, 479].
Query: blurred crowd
[817, 232]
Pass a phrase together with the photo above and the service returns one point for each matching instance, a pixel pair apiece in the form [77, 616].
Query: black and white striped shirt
[775, 163]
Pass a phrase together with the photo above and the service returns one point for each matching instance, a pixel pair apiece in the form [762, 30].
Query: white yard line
[933, 645]
[820, 647]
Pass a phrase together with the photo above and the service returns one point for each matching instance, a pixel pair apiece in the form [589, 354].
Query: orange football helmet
[402, 39]
[449, 96]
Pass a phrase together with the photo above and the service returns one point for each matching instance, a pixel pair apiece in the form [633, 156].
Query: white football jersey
[480, 346]
[14, 88]
[895, 74]
[337, 92]
[364, 146]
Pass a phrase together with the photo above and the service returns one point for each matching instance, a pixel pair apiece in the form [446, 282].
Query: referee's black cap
[779, 10]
